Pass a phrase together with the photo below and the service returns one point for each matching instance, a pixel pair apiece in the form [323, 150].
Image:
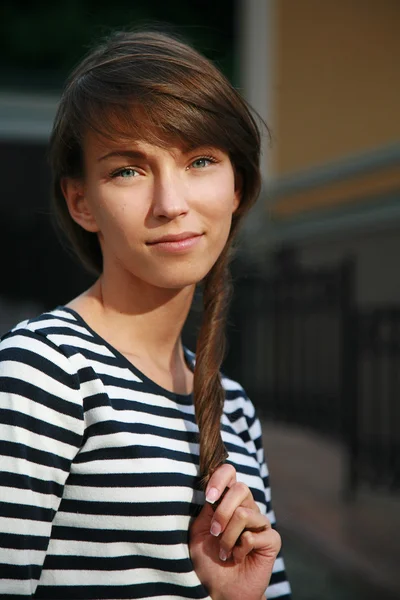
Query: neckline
[182, 398]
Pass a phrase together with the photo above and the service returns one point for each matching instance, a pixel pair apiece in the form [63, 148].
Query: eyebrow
[134, 154]
[138, 155]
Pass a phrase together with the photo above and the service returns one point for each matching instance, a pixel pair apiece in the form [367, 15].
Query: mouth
[176, 244]
[187, 235]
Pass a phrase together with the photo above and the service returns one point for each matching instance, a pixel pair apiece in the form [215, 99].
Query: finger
[223, 477]
[244, 520]
[242, 549]
[237, 495]
[268, 542]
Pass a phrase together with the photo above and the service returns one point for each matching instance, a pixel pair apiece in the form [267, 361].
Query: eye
[125, 173]
[203, 161]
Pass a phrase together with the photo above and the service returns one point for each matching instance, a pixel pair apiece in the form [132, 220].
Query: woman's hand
[234, 548]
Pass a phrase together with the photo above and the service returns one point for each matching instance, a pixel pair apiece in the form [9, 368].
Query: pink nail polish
[215, 528]
[223, 555]
[212, 495]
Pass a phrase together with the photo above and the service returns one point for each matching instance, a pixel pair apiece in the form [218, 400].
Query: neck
[143, 321]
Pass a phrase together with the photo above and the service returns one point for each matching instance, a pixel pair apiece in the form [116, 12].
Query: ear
[79, 209]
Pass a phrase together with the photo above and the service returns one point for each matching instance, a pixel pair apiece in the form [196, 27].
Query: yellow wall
[337, 80]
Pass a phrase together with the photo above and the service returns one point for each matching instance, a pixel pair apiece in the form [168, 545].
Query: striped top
[99, 470]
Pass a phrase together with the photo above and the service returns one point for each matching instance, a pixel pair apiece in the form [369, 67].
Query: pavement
[360, 539]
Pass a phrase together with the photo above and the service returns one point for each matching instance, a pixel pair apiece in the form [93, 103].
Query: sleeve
[279, 586]
[41, 430]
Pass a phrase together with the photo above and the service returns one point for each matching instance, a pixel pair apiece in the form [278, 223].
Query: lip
[174, 238]
[181, 242]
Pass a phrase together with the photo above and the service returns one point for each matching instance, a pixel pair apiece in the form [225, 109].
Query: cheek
[115, 215]
[217, 198]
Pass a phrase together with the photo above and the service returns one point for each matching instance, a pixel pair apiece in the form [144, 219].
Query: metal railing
[307, 356]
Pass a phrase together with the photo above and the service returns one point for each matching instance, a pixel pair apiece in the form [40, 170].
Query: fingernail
[212, 495]
[223, 555]
[215, 528]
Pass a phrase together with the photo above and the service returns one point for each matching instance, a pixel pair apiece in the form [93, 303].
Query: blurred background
[314, 330]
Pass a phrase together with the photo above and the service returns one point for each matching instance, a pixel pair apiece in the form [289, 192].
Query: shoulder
[237, 403]
[41, 396]
[40, 341]
[55, 327]
[47, 323]
[241, 413]
[236, 399]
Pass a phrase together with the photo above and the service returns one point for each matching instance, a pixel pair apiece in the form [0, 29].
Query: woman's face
[162, 215]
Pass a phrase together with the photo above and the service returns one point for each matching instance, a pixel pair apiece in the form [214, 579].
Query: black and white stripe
[99, 470]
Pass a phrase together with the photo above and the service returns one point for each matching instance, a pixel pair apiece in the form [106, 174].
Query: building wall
[337, 84]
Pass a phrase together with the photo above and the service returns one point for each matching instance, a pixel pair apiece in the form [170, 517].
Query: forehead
[100, 148]
[136, 124]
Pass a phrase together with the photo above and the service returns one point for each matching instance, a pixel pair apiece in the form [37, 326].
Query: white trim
[256, 43]
[26, 117]
[255, 35]
[382, 214]
[346, 167]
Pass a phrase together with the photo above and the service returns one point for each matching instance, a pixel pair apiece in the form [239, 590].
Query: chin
[178, 283]
[178, 278]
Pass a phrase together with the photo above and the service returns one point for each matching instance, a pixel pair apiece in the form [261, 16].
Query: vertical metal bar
[304, 354]
[393, 432]
[291, 403]
[276, 346]
[395, 406]
[373, 443]
[314, 309]
[349, 376]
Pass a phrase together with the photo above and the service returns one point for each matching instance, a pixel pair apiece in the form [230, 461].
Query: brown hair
[182, 99]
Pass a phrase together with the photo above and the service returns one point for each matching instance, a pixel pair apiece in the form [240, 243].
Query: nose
[169, 197]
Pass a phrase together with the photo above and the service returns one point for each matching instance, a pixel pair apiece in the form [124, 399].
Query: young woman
[110, 429]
